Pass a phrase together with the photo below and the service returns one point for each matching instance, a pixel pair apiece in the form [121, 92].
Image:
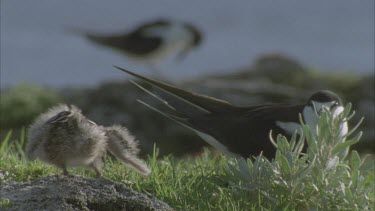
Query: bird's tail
[77, 31]
[91, 36]
[123, 146]
[181, 120]
[181, 99]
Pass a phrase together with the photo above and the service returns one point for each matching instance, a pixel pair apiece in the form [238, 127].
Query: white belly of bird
[311, 120]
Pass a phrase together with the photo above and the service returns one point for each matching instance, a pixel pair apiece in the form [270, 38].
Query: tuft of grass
[326, 177]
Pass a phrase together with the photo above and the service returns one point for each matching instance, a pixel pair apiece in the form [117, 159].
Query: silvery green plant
[324, 177]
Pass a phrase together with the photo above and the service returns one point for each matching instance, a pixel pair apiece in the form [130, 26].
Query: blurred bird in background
[152, 42]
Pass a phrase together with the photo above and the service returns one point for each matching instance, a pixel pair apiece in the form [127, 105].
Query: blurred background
[252, 52]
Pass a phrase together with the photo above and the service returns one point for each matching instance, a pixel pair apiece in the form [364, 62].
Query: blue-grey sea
[334, 35]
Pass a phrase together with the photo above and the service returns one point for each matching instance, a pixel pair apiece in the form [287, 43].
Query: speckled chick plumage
[64, 137]
[124, 146]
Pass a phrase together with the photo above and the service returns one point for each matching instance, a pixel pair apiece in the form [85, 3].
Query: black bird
[240, 131]
[151, 42]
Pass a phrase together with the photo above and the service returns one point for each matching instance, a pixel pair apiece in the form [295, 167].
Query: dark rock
[277, 66]
[58, 192]
[274, 68]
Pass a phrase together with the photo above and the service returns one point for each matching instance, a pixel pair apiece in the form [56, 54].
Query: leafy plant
[322, 178]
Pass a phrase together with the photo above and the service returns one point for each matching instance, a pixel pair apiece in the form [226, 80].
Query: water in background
[328, 35]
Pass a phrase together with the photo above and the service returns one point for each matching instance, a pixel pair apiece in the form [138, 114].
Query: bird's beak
[318, 110]
[328, 108]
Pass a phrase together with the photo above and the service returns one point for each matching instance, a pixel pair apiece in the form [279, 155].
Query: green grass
[327, 177]
[188, 184]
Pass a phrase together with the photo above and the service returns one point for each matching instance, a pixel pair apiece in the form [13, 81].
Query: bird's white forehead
[320, 105]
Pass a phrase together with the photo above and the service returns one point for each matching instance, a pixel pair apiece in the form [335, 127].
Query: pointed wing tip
[132, 73]
[122, 69]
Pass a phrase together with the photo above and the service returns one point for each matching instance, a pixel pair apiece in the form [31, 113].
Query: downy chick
[64, 137]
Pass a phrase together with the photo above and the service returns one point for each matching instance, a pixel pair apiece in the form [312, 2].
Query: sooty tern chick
[64, 137]
[240, 131]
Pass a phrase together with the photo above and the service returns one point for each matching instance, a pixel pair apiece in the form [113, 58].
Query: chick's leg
[65, 170]
[98, 165]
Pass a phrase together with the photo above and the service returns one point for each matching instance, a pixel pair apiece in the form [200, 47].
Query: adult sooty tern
[240, 131]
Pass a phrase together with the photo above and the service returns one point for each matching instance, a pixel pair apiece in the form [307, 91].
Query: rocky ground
[58, 192]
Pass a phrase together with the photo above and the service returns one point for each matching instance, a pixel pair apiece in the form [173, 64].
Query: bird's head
[195, 39]
[320, 101]
[325, 99]
[196, 35]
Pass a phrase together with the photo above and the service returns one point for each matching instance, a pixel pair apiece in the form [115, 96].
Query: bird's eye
[333, 105]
